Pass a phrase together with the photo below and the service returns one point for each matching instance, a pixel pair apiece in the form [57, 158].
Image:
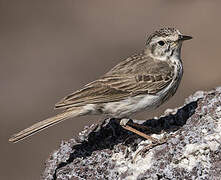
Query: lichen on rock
[107, 151]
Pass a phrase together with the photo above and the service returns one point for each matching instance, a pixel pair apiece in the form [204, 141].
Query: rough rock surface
[106, 151]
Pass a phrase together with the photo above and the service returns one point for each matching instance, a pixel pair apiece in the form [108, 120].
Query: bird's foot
[124, 123]
[148, 146]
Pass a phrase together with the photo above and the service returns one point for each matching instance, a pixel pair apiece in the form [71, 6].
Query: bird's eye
[161, 43]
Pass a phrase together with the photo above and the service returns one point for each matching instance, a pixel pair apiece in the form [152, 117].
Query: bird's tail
[44, 124]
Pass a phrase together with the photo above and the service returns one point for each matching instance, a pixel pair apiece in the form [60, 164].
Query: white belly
[131, 105]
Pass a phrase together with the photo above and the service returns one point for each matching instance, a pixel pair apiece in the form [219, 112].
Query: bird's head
[165, 43]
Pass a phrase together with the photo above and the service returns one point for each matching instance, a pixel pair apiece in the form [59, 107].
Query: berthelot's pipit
[141, 82]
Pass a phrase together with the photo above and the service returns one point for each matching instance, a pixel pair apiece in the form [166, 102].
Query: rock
[192, 149]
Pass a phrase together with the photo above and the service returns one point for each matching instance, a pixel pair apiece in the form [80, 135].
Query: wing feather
[136, 75]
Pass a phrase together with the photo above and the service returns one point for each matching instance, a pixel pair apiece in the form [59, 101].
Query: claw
[147, 147]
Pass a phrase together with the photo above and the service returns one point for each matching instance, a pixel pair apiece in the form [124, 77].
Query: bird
[141, 82]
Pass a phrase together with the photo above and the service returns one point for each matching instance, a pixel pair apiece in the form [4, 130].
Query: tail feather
[42, 125]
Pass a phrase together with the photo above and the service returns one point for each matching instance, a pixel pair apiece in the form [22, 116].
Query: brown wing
[136, 75]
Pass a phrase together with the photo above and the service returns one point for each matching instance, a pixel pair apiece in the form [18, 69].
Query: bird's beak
[184, 37]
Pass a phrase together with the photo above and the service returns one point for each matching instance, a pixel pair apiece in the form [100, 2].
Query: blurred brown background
[48, 48]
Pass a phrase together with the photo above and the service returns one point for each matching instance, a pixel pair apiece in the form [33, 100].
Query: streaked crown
[165, 42]
[164, 32]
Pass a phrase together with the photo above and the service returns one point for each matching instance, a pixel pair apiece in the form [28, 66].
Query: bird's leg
[124, 122]
[138, 126]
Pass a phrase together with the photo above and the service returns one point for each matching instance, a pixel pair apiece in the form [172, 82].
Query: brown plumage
[141, 82]
[139, 74]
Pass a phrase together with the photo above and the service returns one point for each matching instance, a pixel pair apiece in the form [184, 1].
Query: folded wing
[131, 77]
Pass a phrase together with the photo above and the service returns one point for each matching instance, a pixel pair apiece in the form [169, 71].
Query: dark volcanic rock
[106, 151]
